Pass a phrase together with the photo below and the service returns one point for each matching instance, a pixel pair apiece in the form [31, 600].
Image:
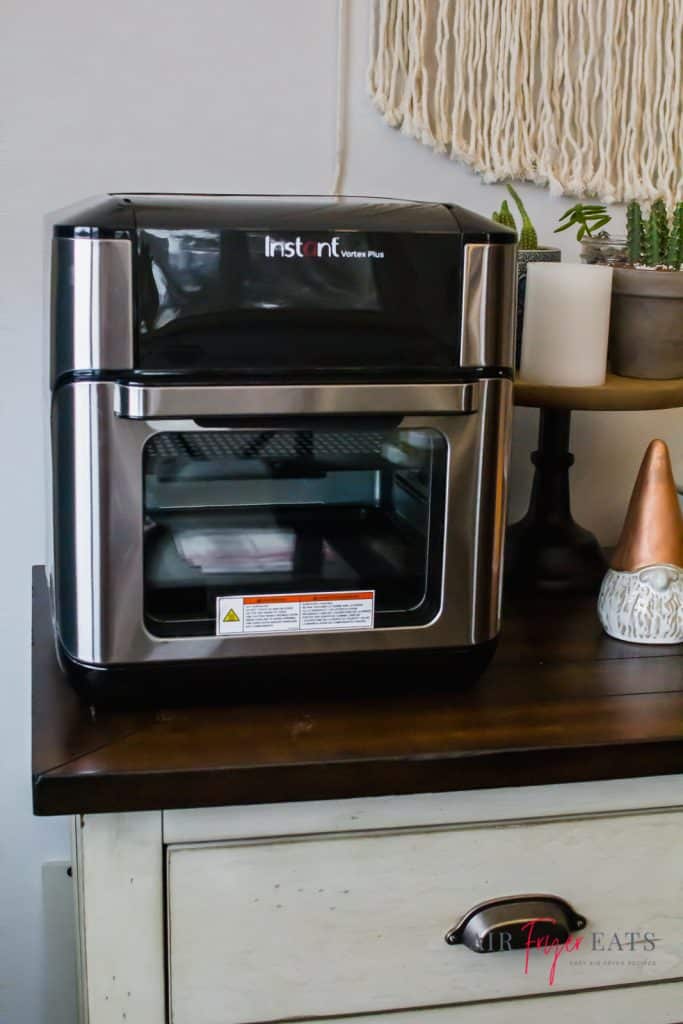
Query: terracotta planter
[546, 254]
[646, 324]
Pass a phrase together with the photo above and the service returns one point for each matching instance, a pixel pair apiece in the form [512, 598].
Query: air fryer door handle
[179, 401]
[512, 922]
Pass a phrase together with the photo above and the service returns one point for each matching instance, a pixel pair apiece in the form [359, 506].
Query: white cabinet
[253, 914]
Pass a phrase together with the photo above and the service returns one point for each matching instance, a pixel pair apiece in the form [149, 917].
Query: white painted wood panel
[646, 1004]
[351, 924]
[120, 884]
[488, 805]
[79, 900]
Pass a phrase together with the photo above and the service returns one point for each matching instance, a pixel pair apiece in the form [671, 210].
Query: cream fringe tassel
[342, 87]
[583, 95]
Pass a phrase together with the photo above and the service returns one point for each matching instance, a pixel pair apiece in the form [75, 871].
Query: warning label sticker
[296, 613]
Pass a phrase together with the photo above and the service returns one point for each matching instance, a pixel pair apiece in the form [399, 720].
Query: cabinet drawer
[643, 1004]
[354, 923]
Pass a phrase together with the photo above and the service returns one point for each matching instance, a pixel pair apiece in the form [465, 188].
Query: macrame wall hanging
[583, 95]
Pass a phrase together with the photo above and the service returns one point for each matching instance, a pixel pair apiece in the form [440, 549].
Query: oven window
[236, 512]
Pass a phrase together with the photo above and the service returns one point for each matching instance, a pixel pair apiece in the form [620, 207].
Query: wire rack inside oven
[273, 445]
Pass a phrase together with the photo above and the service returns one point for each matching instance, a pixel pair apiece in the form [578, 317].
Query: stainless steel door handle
[509, 922]
[142, 402]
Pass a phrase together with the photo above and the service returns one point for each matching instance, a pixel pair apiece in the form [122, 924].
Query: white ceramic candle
[566, 324]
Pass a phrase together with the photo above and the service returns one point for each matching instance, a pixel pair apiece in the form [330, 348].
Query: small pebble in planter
[641, 598]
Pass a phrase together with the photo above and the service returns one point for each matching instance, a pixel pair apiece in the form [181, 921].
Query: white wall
[216, 95]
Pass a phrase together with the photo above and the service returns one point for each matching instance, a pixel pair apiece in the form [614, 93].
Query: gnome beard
[644, 607]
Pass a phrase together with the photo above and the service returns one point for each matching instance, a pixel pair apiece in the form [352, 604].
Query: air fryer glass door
[357, 510]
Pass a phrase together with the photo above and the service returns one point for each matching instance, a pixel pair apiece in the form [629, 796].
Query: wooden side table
[304, 858]
[547, 550]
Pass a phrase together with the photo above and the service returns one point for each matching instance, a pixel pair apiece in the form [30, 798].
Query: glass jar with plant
[528, 251]
[597, 245]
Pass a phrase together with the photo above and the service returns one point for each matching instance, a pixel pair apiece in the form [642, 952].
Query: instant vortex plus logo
[309, 248]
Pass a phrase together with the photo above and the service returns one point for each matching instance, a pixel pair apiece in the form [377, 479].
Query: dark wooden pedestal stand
[547, 550]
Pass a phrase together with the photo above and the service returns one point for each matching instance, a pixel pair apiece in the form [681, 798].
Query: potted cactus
[646, 326]
[528, 251]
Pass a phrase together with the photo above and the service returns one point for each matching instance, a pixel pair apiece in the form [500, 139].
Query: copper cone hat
[652, 533]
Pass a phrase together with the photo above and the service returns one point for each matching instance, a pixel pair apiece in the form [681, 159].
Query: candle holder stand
[547, 550]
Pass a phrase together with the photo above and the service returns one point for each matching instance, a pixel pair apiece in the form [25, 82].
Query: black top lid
[121, 213]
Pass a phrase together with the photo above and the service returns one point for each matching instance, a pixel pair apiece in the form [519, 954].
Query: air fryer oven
[280, 430]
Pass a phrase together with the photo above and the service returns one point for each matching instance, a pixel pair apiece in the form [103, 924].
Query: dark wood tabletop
[561, 702]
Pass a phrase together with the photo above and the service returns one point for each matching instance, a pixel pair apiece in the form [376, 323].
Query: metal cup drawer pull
[508, 923]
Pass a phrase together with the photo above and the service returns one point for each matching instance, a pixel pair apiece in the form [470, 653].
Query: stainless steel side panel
[139, 402]
[98, 538]
[488, 305]
[91, 316]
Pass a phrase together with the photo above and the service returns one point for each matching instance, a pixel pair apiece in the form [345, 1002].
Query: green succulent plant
[527, 237]
[674, 249]
[658, 214]
[652, 242]
[634, 231]
[655, 241]
[504, 216]
[586, 218]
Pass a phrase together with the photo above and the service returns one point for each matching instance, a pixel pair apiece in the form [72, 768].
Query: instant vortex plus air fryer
[280, 432]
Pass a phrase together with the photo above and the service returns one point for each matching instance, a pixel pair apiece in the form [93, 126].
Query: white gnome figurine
[641, 598]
